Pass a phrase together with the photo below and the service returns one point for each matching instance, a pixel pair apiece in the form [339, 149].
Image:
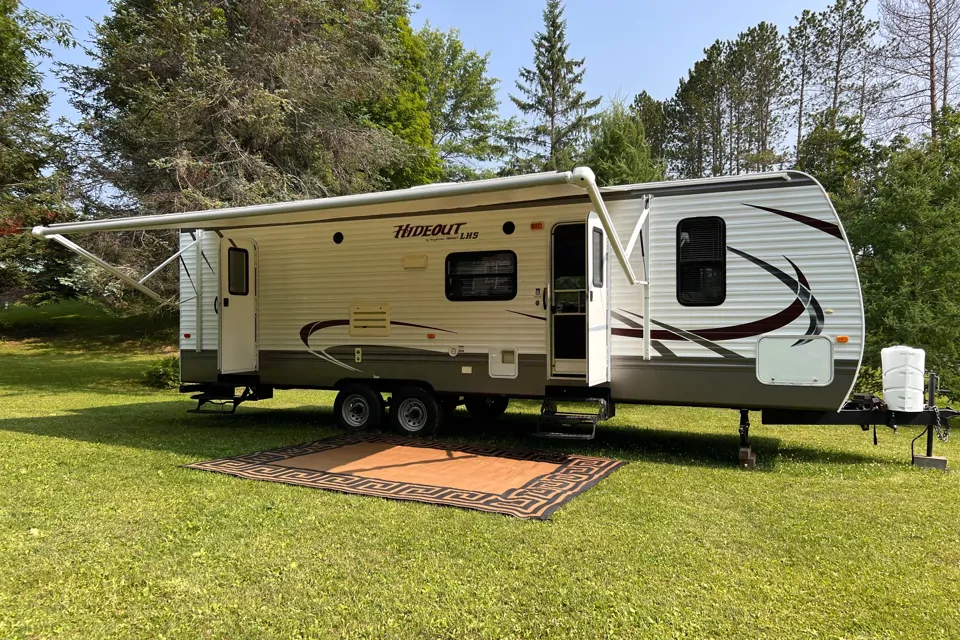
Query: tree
[844, 52]
[835, 152]
[34, 189]
[908, 245]
[551, 94]
[653, 116]
[920, 52]
[618, 151]
[462, 103]
[196, 104]
[765, 89]
[801, 47]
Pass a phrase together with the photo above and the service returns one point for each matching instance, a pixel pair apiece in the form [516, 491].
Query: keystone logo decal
[435, 232]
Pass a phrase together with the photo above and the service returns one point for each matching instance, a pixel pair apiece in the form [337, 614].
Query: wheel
[358, 407]
[415, 411]
[486, 406]
[448, 403]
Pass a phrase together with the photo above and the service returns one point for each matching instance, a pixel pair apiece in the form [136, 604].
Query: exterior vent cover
[370, 320]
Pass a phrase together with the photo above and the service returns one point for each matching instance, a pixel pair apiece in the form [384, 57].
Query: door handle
[591, 296]
[226, 302]
[216, 305]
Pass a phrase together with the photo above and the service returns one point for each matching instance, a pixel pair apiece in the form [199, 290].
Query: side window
[481, 275]
[701, 262]
[597, 257]
[238, 282]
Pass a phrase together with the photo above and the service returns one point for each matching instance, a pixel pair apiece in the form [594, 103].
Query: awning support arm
[584, 177]
[110, 268]
[647, 199]
[166, 262]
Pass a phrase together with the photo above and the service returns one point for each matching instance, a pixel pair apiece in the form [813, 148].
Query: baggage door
[237, 306]
[598, 287]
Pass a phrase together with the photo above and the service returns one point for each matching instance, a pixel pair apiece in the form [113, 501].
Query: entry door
[238, 306]
[598, 324]
[568, 307]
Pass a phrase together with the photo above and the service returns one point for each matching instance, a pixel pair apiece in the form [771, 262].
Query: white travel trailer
[738, 292]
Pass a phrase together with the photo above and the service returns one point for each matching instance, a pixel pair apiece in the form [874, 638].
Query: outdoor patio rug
[525, 484]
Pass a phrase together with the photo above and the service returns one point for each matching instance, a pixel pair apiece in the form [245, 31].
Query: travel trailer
[738, 292]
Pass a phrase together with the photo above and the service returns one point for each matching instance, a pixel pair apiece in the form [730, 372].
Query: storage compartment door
[598, 324]
[795, 361]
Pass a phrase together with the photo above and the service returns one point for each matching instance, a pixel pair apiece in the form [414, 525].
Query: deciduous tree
[462, 103]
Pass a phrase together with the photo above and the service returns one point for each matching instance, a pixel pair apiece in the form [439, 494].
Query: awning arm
[113, 270]
[647, 200]
[167, 261]
[584, 177]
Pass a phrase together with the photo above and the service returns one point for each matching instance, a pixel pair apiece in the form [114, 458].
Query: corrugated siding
[305, 277]
[188, 306]
[752, 292]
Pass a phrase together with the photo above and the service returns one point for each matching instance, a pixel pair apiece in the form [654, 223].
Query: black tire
[415, 412]
[358, 407]
[488, 407]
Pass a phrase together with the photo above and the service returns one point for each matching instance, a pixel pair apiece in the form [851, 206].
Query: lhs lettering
[427, 231]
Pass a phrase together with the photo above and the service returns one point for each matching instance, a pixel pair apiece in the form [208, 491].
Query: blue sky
[629, 45]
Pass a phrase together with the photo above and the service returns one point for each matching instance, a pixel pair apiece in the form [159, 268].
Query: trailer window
[238, 282]
[597, 257]
[701, 262]
[481, 275]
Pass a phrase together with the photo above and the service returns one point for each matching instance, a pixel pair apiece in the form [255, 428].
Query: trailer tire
[358, 407]
[488, 407]
[415, 412]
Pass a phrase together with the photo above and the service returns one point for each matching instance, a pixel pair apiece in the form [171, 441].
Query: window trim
[246, 272]
[722, 261]
[597, 275]
[448, 279]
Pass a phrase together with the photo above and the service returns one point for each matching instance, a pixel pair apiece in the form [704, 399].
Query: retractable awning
[439, 198]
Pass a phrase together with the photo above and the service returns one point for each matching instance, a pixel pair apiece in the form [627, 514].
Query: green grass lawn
[103, 534]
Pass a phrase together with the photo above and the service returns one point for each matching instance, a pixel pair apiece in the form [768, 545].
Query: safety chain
[943, 430]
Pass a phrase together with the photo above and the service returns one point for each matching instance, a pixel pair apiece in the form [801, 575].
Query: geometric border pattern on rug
[537, 499]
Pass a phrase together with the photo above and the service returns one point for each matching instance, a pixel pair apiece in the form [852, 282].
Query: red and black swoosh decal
[822, 225]
[805, 301]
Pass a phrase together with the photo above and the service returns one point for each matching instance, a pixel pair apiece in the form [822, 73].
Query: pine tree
[766, 86]
[653, 117]
[34, 187]
[551, 95]
[801, 43]
[844, 49]
[618, 151]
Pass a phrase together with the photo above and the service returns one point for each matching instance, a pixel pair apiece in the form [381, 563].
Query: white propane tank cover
[903, 377]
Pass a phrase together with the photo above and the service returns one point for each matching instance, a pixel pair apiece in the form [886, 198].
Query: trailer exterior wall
[305, 277]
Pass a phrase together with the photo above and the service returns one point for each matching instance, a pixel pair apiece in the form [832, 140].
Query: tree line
[194, 104]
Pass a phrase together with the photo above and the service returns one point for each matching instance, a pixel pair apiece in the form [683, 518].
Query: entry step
[570, 425]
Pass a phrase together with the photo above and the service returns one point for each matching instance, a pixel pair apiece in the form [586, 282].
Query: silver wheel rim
[355, 411]
[412, 414]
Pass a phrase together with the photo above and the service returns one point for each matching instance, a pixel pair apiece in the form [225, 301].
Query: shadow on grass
[165, 426]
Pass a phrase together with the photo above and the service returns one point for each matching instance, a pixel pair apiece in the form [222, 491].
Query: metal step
[563, 425]
[225, 404]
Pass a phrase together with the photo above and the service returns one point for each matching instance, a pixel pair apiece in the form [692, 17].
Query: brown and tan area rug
[525, 484]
